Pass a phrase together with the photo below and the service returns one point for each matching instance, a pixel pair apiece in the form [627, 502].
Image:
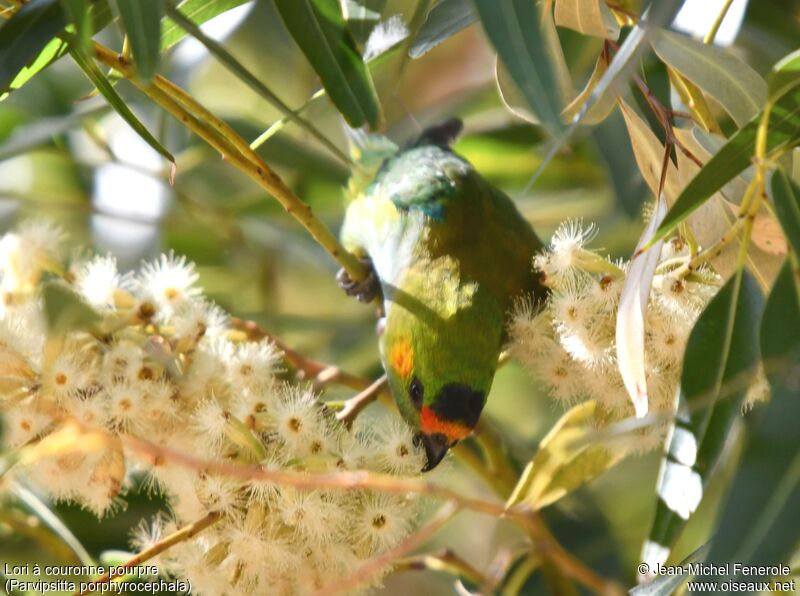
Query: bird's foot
[364, 290]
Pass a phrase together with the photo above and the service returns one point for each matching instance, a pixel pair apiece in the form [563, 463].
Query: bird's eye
[416, 391]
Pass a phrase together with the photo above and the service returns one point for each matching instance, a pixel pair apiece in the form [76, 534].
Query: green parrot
[449, 253]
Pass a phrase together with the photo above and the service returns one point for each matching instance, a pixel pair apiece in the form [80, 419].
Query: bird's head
[439, 386]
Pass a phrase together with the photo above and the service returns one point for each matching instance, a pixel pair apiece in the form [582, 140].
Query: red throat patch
[430, 423]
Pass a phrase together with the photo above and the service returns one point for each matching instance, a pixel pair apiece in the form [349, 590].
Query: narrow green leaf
[104, 86]
[601, 108]
[513, 27]
[65, 311]
[39, 509]
[511, 95]
[142, 21]
[624, 61]
[758, 522]
[720, 361]
[98, 16]
[41, 131]
[786, 198]
[445, 19]
[51, 52]
[25, 35]
[251, 80]
[318, 28]
[313, 102]
[734, 157]
[78, 15]
[719, 73]
[198, 11]
[780, 341]
[785, 76]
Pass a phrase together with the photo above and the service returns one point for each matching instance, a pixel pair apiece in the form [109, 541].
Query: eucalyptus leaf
[649, 154]
[758, 521]
[624, 61]
[142, 21]
[51, 52]
[444, 20]
[246, 76]
[614, 149]
[49, 519]
[41, 131]
[734, 157]
[98, 16]
[319, 29]
[601, 108]
[715, 216]
[780, 342]
[514, 28]
[718, 72]
[785, 76]
[104, 86]
[25, 35]
[720, 361]
[565, 459]
[510, 93]
[786, 198]
[198, 11]
[631, 314]
[317, 98]
[590, 17]
[78, 15]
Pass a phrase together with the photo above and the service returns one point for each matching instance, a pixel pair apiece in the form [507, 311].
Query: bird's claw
[364, 290]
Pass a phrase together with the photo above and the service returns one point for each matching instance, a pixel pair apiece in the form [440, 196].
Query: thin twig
[185, 533]
[712, 33]
[319, 372]
[340, 480]
[663, 114]
[235, 149]
[354, 405]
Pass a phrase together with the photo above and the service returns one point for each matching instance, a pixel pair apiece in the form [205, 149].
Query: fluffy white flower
[98, 281]
[394, 450]
[26, 254]
[381, 521]
[170, 281]
[165, 372]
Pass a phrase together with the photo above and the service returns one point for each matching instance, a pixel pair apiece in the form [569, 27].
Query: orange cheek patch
[430, 423]
[401, 356]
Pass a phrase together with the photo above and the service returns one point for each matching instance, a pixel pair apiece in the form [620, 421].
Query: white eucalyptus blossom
[568, 341]
[162, 365]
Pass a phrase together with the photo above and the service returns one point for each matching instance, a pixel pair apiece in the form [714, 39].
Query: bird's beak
[436, 446]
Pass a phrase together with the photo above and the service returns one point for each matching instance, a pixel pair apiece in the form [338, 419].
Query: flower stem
[354, 405]
[185, 533]
[712, 33]
[319, 372]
